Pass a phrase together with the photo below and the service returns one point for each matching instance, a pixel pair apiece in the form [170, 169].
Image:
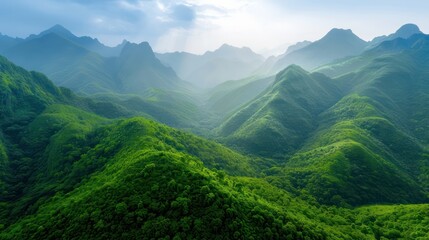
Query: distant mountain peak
[226, 46]
[58, 29]
[339, 33]
[339, 30]
[134, 49]
[229, 48]
[407, 30]
[229, 51]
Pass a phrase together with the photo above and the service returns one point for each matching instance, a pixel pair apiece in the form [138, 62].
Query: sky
[266, 26]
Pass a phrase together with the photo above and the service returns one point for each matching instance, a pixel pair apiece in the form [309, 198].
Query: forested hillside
[329, 140]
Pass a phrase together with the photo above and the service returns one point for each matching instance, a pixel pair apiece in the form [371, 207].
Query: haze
[267, 26]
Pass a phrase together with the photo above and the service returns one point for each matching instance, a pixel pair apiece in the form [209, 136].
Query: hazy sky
[200, 25]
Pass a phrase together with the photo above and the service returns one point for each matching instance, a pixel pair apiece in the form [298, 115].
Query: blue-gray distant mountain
[137, 69]
[66, 63]
[404, 32]
[336, 44]
[61, 55]
[8, 42]
[404, 38]
[213, 67]
[91, 44]
[297, 46]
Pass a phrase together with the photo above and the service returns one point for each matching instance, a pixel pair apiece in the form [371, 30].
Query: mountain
[404, 32]
[297, 46]
[68, 64]
[91, 44]
[8, 42]
[137, 70]
[66, 172]
[136, 82]
[294, 99]
[336, 44]
[213, 67]
[333, 136]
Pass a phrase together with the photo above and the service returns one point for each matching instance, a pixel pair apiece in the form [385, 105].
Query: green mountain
[66, 172]
[356, 139]
[286, 112]
[135, 81]
[213, 67]
[63, 166]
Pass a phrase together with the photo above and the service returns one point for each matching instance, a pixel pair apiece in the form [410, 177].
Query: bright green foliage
[286, 113]
[143, 179]
[357, 139]
[66, 172]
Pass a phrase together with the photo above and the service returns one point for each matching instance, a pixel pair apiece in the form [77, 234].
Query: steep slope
[367, 145]
[380, 123]
[212, 68]
[276, 123]
[336, 44]
[137, 69]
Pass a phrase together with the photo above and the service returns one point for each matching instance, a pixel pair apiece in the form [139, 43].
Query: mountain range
[76, 63]
[213, 67]
[333, 145]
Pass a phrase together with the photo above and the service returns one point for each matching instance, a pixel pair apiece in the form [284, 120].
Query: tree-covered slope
[66, 172]
[366, 145]
[276, 123]
[130, 184]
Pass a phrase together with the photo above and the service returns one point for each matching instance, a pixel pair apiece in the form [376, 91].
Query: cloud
[183, 12]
